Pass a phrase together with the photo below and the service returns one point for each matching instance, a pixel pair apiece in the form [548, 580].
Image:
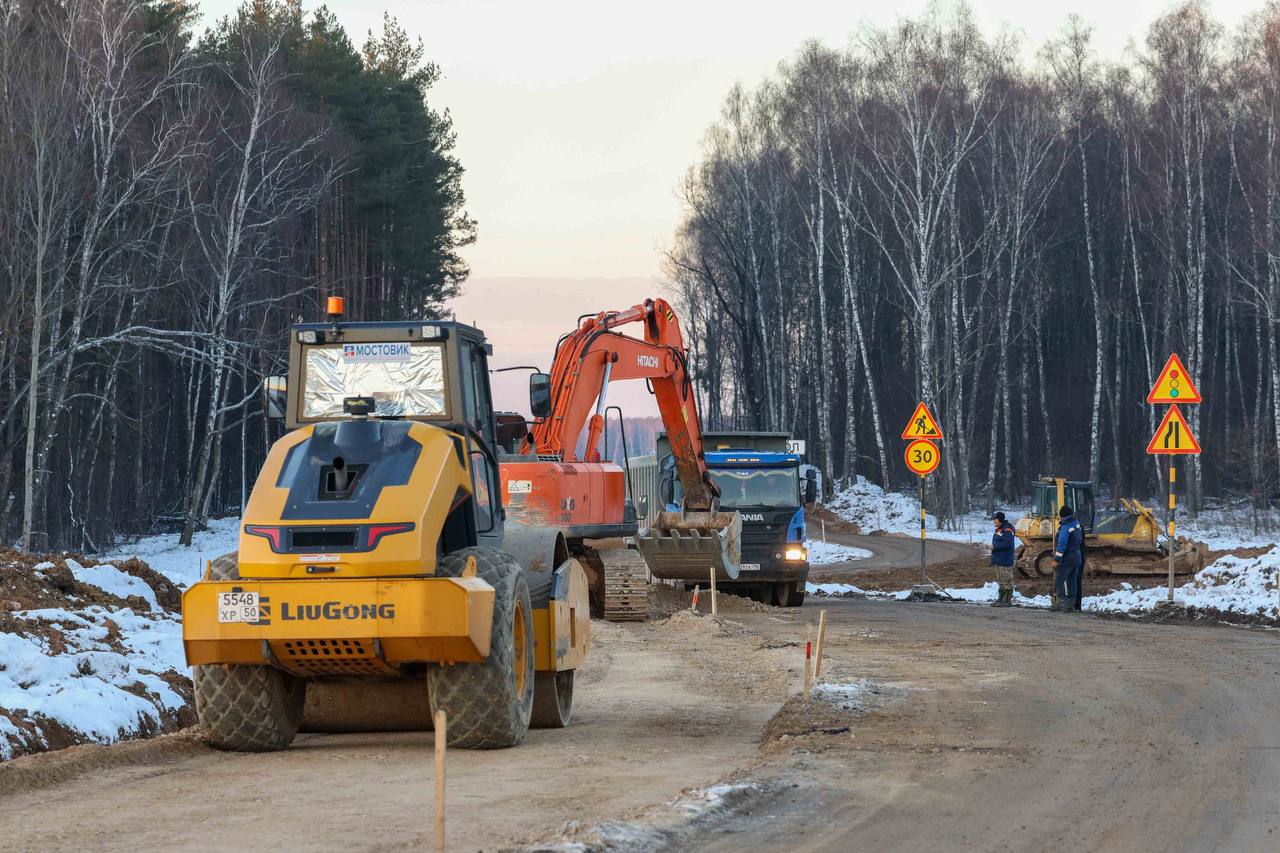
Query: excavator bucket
[687, 546]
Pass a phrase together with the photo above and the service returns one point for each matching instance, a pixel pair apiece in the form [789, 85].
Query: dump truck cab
[759, 476]
[374, 547]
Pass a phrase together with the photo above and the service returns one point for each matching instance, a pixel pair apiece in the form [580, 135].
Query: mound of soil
[29, 582]
[72, 635]
[665, 600]
[817, 515]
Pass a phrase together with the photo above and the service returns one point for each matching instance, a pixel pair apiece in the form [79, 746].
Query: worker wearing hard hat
[1003, 546]
[1068, 556]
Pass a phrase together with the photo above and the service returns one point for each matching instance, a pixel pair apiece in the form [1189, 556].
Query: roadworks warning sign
[1173, 436]
[922, 425]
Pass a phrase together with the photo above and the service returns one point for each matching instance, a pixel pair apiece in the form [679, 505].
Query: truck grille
[759, 539]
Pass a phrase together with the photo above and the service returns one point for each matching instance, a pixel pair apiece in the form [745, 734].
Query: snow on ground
[847, 695]
[872, 508]
[1245, 585]
[827, 553]
[1226, 528]
[1248, 586]
[975, 595]
[77, 675]
[93, 653]
[181, 564]
[1222, 528]
[108, 578]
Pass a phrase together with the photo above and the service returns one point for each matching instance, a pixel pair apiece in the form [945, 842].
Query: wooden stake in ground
[694, 606]
[714, 610]
[441, 725]
[817, 652]
[808, 659]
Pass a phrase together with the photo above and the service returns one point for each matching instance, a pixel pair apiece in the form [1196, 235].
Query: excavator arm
[680, 545]
[595, 354]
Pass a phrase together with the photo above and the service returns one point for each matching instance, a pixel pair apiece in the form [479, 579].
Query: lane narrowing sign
[1173, 436]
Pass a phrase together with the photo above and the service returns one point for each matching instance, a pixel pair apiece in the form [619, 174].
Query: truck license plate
[750, 567]
[237, 607]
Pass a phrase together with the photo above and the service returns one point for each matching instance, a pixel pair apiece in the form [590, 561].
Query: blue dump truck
[758, 474]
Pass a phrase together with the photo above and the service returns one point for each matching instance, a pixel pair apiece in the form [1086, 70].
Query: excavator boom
[600, 351]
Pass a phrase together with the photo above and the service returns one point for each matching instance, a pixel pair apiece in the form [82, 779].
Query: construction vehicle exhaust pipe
[684, 546]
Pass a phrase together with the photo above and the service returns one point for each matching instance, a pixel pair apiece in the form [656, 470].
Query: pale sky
[576, 121]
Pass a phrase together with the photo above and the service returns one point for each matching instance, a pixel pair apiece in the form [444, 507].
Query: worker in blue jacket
[1003, 545]
[1068, 557]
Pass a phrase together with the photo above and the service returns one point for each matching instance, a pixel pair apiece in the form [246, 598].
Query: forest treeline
[1017, 234]
[171, 198]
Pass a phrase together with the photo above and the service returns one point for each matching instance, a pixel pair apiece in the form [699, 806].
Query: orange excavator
[553, 474]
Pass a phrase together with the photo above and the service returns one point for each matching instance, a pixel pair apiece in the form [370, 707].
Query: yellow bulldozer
[376, 580]
[1125, 542]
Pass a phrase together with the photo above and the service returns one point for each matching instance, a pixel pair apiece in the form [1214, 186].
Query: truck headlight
[795, 553]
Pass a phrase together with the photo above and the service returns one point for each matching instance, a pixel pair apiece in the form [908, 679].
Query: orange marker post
[808, 659]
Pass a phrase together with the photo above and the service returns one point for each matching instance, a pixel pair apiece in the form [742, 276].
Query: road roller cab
[375, 569]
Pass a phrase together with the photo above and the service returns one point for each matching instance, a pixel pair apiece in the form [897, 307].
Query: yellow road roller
[376, 580]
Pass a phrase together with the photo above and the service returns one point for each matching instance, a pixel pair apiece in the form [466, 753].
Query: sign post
[922, 457]
[1173, 436]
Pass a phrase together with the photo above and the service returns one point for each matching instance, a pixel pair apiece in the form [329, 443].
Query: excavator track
[626, 586]
[619, 583]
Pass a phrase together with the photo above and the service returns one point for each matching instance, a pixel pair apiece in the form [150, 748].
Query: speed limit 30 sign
[922, 457]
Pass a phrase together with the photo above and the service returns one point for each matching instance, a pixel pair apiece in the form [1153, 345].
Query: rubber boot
[1004, 599]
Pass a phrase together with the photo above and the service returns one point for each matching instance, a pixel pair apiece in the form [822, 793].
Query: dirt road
[1020, 730]
[966, 726]
[895, 565]
[647, 723]
[890, 551]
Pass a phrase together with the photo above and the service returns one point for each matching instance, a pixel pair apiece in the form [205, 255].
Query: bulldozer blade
[686, 546]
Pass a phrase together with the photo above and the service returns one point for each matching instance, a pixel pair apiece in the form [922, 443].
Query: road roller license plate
[750, 567]
[237, 607]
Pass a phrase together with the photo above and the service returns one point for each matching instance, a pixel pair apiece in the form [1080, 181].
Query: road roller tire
[489, 704]
[225, 568]
[552, 699]
[248, 707]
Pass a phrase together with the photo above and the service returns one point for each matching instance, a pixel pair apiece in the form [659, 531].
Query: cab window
[484, 483]
[475, 391]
